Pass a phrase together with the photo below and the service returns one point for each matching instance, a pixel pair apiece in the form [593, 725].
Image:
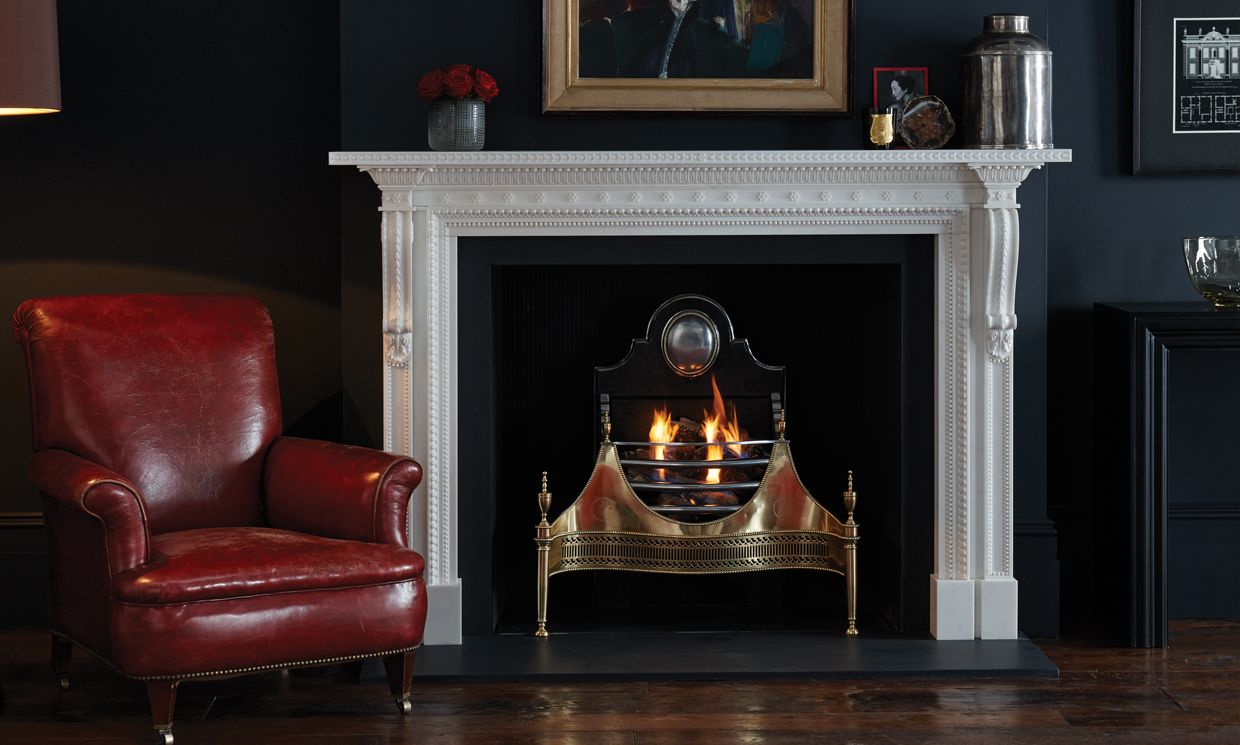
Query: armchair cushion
[216, 563]
[220, 601]
[338, 491]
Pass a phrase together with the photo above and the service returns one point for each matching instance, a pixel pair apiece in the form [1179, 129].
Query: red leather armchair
[187, 538]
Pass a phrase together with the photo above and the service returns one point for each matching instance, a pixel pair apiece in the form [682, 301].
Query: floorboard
[1188, 694]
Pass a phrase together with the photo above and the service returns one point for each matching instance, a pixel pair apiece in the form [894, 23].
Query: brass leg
[62, 659]
[850, 558]
[399, 668]
[163, 696]
[544, 550]
[542, 536]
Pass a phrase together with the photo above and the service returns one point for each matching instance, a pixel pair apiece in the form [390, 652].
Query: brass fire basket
[769, 523]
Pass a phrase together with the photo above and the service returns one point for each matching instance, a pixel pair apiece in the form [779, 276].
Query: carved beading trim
[439, 397]
[1009, 453]
[664, 176]
[956, 521]
[988, 518]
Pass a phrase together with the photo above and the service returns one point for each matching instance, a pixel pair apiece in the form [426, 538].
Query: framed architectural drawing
[697, 56]
[1186, 86]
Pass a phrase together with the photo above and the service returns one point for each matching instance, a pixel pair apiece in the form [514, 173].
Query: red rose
[459, 81]
[485, 86]
[431, 85]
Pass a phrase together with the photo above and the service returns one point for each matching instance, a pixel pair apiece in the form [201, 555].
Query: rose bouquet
[459, 82]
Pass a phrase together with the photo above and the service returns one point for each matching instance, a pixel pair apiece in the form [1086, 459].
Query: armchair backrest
[177, 393]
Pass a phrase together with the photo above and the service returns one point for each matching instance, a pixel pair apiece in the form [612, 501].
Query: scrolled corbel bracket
[1002, 225]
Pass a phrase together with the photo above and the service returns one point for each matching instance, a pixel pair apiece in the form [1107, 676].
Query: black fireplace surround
[851, 318]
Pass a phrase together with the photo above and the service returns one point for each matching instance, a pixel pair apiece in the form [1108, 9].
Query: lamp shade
[29, 57]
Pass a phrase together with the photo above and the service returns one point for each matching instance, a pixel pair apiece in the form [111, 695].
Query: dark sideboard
[1167, 465]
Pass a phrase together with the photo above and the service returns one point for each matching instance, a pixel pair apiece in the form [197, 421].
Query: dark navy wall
[1112, 237]
[386, 45]
[190, 157]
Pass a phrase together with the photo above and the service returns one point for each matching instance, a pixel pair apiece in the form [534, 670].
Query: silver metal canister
[1007, 87]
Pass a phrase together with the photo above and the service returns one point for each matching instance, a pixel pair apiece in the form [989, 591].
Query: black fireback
[645, 378]
[851, 317]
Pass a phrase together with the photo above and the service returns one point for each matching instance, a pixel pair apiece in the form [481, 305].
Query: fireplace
[965, 201]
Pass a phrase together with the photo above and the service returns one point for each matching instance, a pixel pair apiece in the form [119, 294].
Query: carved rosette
[396, 347]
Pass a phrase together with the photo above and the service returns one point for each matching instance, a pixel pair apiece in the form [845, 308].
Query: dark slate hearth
[727, 656]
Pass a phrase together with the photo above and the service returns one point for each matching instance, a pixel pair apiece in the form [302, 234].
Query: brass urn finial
[544, 500]
[606, 426]
[850, 499]
[781, 424]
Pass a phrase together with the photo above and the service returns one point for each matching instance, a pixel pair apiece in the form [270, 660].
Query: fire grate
[698, 496]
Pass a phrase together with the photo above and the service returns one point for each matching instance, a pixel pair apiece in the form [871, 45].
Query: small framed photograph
[1186, 86]
[896, 86]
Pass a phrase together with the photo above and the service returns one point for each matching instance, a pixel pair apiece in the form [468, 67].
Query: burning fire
[716, 427]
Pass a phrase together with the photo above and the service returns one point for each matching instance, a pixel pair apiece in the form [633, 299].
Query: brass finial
[606, 426]
[850, 499]
[780, 425]
[544, 500]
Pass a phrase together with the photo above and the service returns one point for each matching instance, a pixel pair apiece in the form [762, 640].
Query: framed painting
[1186, 86]
[608, 56]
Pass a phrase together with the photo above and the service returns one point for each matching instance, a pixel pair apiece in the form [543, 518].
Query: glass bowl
[1214, 267]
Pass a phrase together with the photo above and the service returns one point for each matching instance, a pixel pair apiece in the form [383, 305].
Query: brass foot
[405, 705]
[852, 630]
[64, 682]
[542, 632]
[164, 734]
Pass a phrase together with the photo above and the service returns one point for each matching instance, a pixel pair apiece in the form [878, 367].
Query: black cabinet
[1167, 465]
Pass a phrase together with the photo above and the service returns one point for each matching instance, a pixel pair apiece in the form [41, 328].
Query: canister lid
[1004, 22]
[1004, 34]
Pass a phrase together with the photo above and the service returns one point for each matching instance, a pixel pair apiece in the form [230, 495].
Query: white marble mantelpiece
[966, 199]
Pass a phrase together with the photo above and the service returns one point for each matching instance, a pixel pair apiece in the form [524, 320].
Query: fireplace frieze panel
[965, 199]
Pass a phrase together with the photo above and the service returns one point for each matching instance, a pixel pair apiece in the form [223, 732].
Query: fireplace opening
[850, 318]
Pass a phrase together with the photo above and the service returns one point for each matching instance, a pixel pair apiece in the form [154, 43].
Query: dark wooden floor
[1184, 695]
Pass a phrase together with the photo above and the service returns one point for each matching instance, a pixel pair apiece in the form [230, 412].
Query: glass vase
[456, 124]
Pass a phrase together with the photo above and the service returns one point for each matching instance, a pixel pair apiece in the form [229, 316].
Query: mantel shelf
[516, 158]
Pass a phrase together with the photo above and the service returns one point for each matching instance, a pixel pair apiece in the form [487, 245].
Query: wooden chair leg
[62, 660]
[399, 669]
[163, 695]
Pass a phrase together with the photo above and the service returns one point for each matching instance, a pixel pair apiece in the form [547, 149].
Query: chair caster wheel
[64, 682]
[405, 706]
[164, 737]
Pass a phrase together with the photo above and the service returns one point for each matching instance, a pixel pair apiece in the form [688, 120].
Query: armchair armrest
[101, 494]
[339, 491]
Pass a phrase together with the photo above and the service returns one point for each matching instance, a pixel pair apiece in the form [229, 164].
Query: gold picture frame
[565, 91]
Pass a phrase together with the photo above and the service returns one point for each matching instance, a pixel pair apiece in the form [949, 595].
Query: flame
[731, 430]
[710, 430]
[662, 430]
